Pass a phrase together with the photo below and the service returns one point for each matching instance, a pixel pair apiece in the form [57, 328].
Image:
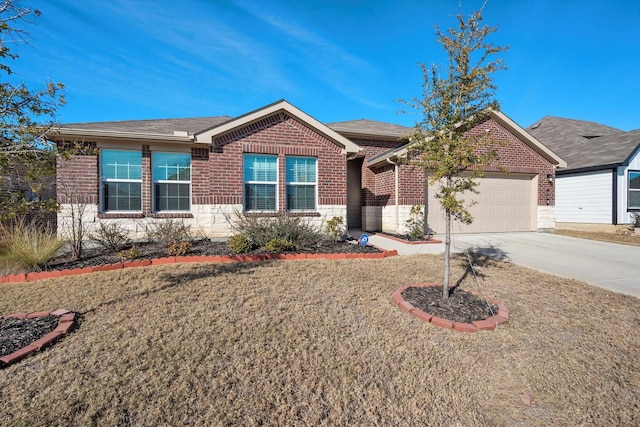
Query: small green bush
[168, 231]
[28, 247]
[111, 236]
[239, 244]
[415, 224]
[334, 227]
[178, 249]
[278, 245]
[128, 254]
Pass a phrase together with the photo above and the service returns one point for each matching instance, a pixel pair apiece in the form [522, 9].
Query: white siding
[624, 217]
[585, 197]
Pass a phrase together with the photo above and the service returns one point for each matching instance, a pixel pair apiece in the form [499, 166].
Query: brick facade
[217, 171]
[283, 136]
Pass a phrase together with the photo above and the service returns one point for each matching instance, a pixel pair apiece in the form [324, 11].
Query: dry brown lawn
[320, 343]
[625, 239]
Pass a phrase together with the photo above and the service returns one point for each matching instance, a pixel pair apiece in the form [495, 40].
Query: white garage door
[505, 203]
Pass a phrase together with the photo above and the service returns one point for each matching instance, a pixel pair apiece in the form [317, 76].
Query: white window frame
[632, 190]
[252, 182]
[104, 180]
[155, 181]
[313, 184]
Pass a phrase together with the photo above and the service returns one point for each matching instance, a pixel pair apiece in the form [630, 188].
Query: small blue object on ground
[364, 239]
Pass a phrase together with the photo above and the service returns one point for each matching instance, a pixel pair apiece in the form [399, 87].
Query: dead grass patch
[625, 239]
[321, 343]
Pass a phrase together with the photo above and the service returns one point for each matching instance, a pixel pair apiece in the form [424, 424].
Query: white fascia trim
[96, 135]
[347, 146]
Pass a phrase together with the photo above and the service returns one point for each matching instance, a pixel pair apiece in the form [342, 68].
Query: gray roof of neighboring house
[364, 127]
[585, 144]
[156, 126]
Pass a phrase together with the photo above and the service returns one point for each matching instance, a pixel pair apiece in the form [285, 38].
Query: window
[634, 190]
[121, 175]
[301, 183]
[171, 181]
[260, 182]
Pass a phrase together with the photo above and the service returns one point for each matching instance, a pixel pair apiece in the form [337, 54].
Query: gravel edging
[488, 324]
[65, 323]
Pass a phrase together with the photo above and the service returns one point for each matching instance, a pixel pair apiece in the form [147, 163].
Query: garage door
[505, 203]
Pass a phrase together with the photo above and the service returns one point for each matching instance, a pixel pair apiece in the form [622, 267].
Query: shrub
[28, 247]
[278, 245]
[415, 224]
[169, 231]
[334, 227]
[299, 231]
[112, 236]
[178, 249]
[128, 254]
[239, 244]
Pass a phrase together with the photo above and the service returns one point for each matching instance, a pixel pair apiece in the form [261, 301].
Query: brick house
[279, 159]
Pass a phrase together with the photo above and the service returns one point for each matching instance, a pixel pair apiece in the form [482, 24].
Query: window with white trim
[121, 176]
[302, 181]
[260, 176]
[171, 181]
[634, 190]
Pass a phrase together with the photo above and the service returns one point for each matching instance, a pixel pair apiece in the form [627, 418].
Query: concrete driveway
[608, 265]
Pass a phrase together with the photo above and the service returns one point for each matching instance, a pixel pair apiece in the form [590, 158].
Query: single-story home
[279, 159]
[600, 187]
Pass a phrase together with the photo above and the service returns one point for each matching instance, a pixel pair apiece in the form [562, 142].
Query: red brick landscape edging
[65, 323]
[488, 324]
[35, 276]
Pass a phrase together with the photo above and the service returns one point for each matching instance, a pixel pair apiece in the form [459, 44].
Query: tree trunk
[447, 249]
[447, 252]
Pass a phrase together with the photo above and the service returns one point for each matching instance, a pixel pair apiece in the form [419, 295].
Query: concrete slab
[608, 265]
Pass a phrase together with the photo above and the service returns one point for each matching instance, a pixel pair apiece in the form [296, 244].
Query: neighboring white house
[600, 187]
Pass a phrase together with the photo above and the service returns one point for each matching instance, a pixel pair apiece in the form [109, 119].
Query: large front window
[634, 190]
[121, 176]
[172, 181]
[301, 183]
[260, 182]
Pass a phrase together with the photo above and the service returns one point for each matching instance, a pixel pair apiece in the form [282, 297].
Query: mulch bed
[18, 333]
[461, 306]
[149, 250]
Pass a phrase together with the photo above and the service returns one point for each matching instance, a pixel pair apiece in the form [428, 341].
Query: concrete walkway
[607, 265]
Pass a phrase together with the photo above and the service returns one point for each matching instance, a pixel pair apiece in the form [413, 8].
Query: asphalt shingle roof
[370, 127]
[585, 144]
[156, 126]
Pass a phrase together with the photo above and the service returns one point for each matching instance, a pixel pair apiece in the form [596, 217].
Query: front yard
[320, 343]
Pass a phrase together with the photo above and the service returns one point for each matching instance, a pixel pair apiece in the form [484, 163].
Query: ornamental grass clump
[26, 246]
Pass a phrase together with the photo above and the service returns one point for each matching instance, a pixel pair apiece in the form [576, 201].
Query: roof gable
[503, 120]
[207, 136]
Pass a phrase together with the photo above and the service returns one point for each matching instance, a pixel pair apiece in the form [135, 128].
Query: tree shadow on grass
[475, 258]
[174, 279]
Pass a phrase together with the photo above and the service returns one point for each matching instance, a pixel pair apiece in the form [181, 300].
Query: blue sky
[336, 60]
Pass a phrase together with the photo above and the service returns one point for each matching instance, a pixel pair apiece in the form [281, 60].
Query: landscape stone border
[488, 324]
[35, 276]
[65, 322]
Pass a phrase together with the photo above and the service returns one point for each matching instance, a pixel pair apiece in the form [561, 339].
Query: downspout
[397, 198]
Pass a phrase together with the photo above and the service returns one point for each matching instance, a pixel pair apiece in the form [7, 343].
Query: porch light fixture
[550, 177]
